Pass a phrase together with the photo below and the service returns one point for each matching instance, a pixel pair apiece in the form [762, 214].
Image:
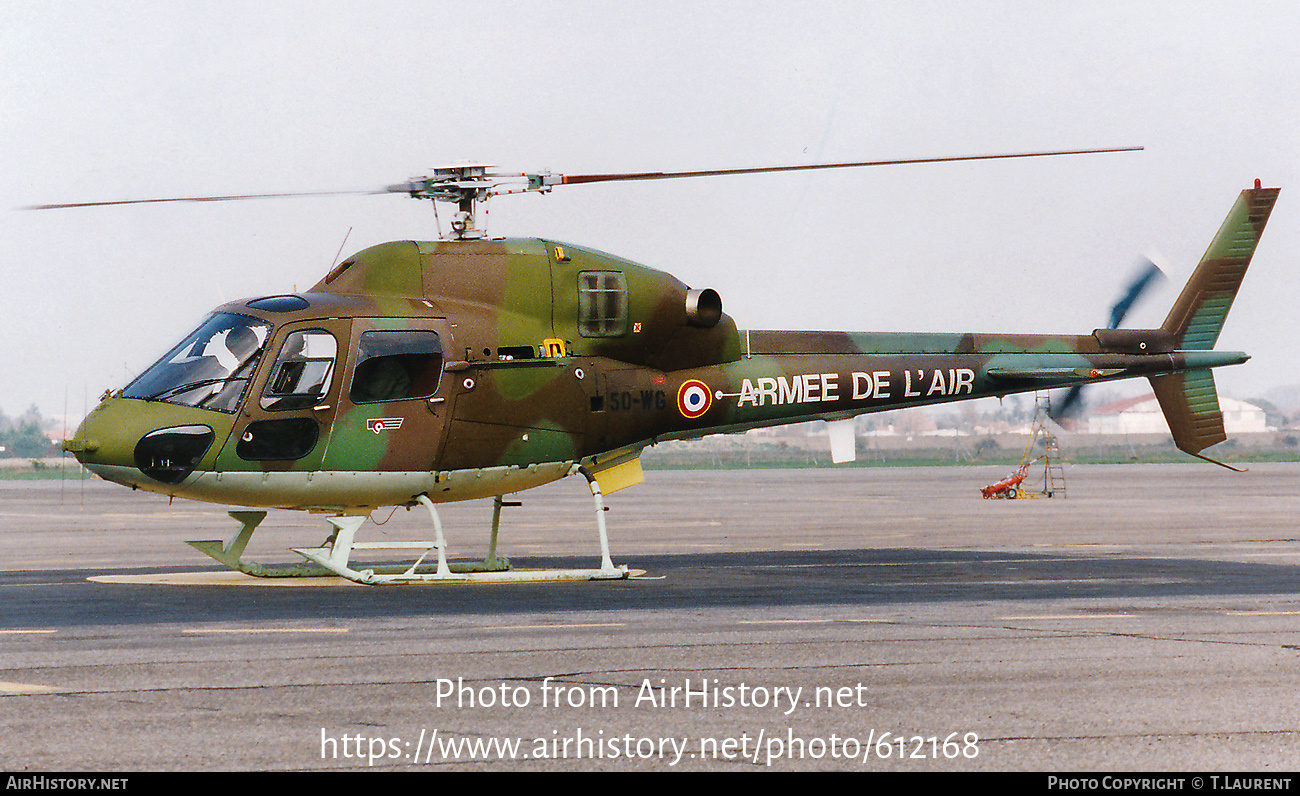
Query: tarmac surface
[837, 619]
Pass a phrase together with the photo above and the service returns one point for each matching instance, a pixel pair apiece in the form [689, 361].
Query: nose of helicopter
[146, 444]
[97, 444]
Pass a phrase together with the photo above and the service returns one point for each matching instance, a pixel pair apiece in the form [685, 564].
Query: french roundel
[694, 399]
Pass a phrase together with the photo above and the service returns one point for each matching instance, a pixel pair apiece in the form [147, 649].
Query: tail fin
[1197, 316]
[1188, 399]
[1191, 408]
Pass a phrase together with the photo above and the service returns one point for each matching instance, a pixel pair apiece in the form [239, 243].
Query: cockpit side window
[396, 366]
[303, 372]
[210, 368]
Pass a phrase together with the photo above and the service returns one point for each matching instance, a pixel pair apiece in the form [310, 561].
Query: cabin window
[396, 366]
[602, 304]
[303, 373]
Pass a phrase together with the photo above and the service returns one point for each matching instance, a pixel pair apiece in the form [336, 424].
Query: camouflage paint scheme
[525, 395]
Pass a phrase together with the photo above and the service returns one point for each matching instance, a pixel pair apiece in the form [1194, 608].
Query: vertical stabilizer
[1188, 399]
[1197, 316]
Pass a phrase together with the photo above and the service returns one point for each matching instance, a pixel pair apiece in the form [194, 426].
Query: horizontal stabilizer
[1052, 374]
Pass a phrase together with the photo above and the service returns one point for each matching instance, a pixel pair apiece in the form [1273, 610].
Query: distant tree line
[25, 436]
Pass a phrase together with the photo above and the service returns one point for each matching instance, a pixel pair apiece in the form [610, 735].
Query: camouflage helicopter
[416, 373]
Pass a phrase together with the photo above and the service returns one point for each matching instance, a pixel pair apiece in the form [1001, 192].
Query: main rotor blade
[203, 199]
[576, 179]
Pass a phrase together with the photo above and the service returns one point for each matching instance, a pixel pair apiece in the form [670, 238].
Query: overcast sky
[141, 99]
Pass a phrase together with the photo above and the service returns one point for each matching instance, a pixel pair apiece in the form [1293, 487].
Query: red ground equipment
[1007, 487]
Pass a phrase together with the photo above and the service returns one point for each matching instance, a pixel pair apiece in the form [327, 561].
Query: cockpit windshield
[210, 368]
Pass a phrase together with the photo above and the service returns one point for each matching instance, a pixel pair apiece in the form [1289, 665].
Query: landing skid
[231, 553]
[333, 556]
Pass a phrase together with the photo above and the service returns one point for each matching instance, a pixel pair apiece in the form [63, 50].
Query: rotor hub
[467, 185]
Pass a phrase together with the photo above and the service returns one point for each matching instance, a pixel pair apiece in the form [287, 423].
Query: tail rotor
[1148, 274]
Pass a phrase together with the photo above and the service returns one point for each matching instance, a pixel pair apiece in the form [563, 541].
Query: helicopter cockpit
[210, 368]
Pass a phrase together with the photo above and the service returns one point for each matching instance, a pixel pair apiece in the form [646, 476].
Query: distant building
[1142, 415]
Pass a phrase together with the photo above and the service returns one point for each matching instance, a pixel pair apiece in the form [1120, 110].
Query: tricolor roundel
[381, 424]
[694, 398]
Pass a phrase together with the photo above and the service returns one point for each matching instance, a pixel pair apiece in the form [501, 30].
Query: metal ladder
[1054, 475]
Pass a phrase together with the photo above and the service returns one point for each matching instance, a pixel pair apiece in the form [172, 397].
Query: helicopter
[416, 373]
